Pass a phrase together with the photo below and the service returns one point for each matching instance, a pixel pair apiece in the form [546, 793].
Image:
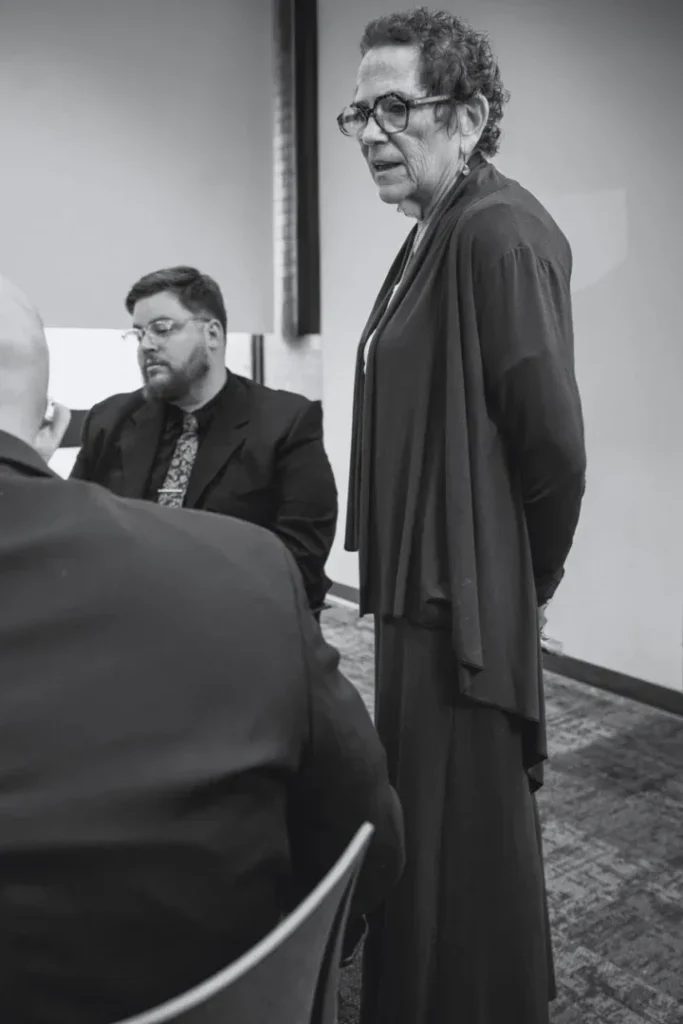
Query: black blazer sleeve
[342, 779]
[306, 500]
[525, 327]
[100, 428]
[83, 467]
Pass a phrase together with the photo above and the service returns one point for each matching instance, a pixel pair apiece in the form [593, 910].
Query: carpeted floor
[612, 811]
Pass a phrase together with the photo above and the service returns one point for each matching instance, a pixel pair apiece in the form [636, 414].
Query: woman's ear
[472, 118]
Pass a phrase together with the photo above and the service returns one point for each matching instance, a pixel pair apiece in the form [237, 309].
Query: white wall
[136, 134]
[294, 365]
[593, 129]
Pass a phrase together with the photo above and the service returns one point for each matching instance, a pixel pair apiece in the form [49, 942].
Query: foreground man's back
[180, 758]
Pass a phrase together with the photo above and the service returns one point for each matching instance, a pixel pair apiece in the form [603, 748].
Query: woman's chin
[393, 193]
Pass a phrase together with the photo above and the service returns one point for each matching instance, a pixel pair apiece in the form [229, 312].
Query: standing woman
[467, 475]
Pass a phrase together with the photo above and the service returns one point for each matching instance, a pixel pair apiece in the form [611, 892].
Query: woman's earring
[465, 169]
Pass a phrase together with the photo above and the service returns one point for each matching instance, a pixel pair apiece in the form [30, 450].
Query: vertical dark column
[307, 167]
[258, 372]
[297, 220]
[284, 170]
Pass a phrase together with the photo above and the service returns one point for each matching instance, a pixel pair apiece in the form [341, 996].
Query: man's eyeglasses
[161, 328]
[390, 112]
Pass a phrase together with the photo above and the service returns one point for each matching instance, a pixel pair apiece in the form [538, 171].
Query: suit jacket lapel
[138, 446]
[225, 435]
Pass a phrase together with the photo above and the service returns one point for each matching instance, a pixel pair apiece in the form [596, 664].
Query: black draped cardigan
[468, 457]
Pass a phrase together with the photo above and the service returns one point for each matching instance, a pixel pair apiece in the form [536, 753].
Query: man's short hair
[197, 292]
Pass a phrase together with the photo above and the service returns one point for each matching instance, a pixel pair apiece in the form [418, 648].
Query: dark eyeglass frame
[140, 333]
[368, 112]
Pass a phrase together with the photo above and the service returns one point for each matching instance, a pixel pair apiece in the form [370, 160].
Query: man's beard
[173, 385]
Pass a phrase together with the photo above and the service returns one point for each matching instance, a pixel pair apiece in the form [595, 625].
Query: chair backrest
[289, 977]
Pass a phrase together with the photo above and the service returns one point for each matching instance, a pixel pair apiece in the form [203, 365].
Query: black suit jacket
[180, 757]
[263, 461]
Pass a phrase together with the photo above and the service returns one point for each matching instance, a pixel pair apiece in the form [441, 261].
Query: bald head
[24, 364]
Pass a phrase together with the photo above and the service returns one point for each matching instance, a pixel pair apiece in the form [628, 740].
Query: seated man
[199, 436]
[180, 757]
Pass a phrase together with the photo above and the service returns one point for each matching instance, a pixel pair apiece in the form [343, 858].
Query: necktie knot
[190, 424]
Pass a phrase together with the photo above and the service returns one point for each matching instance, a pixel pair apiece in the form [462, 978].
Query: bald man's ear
[52, 431]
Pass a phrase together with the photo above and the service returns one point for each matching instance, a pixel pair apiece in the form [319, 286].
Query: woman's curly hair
[457, 61]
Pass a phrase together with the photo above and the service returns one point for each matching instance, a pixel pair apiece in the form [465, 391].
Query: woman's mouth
[384, 166]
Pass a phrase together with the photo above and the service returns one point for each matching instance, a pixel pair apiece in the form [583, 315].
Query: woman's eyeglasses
[391, 113]
[161, 328]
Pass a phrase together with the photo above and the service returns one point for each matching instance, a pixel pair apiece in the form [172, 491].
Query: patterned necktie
[172, 494]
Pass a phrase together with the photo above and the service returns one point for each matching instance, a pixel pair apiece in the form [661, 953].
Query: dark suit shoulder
[277, 398]
[112, 407]
[180, 539]
[284, 408]
[512, 218]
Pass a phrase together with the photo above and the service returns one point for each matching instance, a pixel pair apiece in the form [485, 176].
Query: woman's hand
[548, 645]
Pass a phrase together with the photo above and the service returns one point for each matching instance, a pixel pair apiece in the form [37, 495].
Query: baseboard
[345, 593]
[615, 682]
[583, 672]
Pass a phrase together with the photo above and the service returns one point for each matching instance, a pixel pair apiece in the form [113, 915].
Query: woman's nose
[371, 133]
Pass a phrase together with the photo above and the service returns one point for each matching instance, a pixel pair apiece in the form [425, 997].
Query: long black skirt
[464, 938]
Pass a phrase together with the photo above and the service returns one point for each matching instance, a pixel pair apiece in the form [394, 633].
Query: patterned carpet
[612, 811]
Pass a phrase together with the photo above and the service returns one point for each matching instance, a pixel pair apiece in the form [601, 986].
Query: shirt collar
[205, 413]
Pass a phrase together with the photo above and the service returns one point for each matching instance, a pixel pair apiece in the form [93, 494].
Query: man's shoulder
[276, 397]
[237, 536]
[114, 406]
[285, 406]
[176, 536]
[208, 550]
[231, 576]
